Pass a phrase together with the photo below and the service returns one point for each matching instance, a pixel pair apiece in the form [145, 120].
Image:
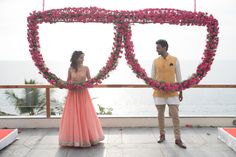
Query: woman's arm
[88, 73]
[68, 75]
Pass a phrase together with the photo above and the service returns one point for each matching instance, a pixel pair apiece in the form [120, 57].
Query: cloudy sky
[59, 40]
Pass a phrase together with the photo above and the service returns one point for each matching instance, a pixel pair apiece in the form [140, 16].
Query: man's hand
[180, 96]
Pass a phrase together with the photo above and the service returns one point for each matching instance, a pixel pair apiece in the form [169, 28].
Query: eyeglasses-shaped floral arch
[122, 39]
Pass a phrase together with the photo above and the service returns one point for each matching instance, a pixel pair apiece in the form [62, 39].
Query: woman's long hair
[74, 59]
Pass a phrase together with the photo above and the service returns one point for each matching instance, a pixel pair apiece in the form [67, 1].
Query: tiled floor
[121, 142]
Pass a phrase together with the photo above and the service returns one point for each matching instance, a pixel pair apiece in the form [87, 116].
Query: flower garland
[67, 15]
[176, 17]
[122, 21]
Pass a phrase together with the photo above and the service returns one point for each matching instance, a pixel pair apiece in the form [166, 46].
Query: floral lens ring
[122, 38]
[173, 17]
[83, 15]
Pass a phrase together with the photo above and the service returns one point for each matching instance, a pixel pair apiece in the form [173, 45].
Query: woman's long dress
[79, 126]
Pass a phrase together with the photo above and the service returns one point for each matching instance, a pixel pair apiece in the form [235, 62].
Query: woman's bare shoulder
[70, 68]
[86, 67]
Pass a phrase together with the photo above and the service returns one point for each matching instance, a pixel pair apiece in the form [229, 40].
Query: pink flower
[122, 30]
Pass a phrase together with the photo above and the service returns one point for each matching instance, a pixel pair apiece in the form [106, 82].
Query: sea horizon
[131, 102]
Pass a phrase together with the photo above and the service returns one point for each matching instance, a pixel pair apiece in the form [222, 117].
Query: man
[166, 68]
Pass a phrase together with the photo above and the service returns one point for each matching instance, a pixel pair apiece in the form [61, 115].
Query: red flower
[122, 21]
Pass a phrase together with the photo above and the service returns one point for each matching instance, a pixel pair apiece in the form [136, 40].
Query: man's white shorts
[169, 100]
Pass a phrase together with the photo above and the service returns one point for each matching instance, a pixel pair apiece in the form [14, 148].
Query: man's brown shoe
[162, 139]
[180, 144]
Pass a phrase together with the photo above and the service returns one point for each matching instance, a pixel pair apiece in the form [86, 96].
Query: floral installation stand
[122, 21]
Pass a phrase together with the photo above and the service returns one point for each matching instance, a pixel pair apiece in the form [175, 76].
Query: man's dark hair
[163, 43]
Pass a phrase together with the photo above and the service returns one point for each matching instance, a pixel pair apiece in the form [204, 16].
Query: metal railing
[48, 87]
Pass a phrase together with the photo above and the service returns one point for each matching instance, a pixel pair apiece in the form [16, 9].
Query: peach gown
[79, 126]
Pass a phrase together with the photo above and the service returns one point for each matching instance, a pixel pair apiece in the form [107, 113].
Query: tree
[33, 101]
[5, 114]
[104, 111]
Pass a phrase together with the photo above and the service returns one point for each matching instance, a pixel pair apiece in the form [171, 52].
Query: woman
[80, 126]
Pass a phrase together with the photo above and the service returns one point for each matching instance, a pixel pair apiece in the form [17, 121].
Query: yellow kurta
[165, 70]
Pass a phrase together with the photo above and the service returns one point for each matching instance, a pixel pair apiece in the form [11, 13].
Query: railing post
[48, 112]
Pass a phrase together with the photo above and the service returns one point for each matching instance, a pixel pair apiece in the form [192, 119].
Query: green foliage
[33, 101]
[104, 111]
[5, 114]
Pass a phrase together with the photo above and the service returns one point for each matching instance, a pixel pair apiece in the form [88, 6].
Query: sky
[59, 40]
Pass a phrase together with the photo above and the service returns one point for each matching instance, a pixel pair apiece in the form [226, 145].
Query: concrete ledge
[42, 122]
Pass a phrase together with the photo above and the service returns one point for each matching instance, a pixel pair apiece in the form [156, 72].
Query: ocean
[132, 101]
[58, 40]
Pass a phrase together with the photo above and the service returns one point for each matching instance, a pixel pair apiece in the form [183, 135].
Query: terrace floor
[121, 142]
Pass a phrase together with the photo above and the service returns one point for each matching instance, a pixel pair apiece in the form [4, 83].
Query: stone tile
[106, 134]
[114, 136]
[20, 152]
[142, 152]
[136, 145]
[47, 146]
[31, 137]
[114, 152]
[50, 139]
[32, 141]
[169, 133]
[207, 133]
[48, 152]
[122, 142]
[196, 153]
[211, 147]
[14, 145]
[137, 135]
[5, 152]
[87, 152]
[178, 152]
[192, 139]
[23, 135]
